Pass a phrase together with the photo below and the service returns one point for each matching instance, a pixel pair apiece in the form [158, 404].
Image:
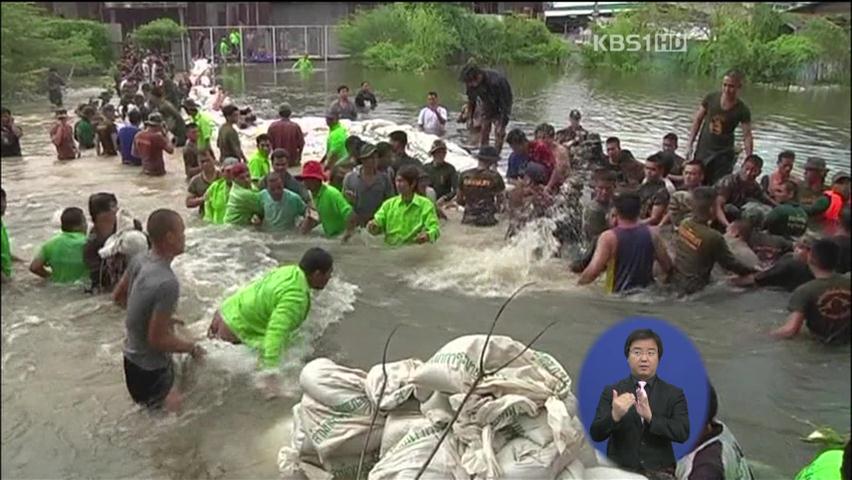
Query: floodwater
[66, 413]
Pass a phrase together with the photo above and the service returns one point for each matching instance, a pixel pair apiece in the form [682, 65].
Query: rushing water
[66, 413]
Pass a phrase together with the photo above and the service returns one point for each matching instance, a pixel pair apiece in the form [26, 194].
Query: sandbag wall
[520, 423]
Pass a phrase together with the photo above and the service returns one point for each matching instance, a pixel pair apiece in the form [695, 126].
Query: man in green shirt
[63, 254]
[408, 217]
[243, 200]
[171, 116]
[258, 163]
[216, 196]
[84, 130]
[266, 314]
[204, 123]
[788, 219]
[329, 205]
[698, 247]
[228, 140]
[335, 147]
[822, 303]
[5, 248]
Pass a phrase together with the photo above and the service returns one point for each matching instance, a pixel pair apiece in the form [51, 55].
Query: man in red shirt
[149, 145]
[62, 136]
[286, 134]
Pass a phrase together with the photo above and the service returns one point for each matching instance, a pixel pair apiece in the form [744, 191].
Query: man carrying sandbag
[265, 314]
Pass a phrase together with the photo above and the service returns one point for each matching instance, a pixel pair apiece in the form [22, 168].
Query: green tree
[158, 34]
[31, 45]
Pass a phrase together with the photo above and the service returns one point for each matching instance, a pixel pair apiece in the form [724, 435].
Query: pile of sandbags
[519, 423]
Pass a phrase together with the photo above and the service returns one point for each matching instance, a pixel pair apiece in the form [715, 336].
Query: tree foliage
[158, 34]
[422, 36]
[754, 39]
[34, 41]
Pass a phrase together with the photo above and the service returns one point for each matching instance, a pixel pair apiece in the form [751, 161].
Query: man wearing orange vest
[829, 206]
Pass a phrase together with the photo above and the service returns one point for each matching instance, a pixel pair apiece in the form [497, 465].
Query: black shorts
[55, 97]
[148, 387]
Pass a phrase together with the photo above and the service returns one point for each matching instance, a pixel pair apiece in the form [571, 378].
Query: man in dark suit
[642, 415]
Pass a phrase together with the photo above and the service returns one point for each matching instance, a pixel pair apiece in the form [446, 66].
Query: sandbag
[398, 424]
[437, 408]
[340, 431]
[291, 467]
[404, 460]
[609, 473]
[331, 384]
[399, 387]
[573, 471]
[522, 459]
[454, 368]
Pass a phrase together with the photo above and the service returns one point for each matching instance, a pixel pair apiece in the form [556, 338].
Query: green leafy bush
[417, 37]
[158, 34]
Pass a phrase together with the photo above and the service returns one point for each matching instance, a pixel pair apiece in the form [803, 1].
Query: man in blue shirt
[125, 138]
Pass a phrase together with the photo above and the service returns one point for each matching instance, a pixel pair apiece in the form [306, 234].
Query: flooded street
[66, 412]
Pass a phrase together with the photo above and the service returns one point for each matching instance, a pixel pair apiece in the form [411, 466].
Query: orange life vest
[835, 207]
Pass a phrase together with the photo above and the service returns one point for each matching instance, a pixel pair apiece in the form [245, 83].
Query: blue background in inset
[680, 366]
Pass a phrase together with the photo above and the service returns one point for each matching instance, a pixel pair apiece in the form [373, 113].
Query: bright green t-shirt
[336, 143]
[333, 210]
[5, 251]
[217, 201]
[64, 255]
[258, 165]
[243, 203]
[824, 467]
[303, 65]
[266, 313]
[402, 222]
[205, 125]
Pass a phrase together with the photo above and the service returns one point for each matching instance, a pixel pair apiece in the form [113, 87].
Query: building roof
[576, 9]
[144, 5]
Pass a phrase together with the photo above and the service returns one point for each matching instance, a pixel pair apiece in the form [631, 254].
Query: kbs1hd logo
[657, 42]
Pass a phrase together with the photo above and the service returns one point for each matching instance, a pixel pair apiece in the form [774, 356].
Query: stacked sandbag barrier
[520, 422]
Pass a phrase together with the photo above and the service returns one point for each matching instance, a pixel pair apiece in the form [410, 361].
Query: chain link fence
[258, 44]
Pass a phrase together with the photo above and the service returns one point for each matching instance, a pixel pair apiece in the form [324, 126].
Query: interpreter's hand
[621, 404]
[422, 238]
[643, 407]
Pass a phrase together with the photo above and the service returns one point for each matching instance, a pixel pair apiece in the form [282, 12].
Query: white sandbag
[454, 368]
[340, 431]
[574, 471]
[522, 459]
[568, 431]
[299, 440]
[437, 408]
[397, 424]
[126, 239]
[291, 467]
[331, 384]
[609, 473]
[404, 460]
[399, 387]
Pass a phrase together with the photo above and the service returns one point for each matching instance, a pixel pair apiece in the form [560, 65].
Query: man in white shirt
[433, 117]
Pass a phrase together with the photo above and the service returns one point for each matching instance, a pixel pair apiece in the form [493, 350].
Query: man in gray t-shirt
[153, 288]
[149, 289]
[365, 187]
